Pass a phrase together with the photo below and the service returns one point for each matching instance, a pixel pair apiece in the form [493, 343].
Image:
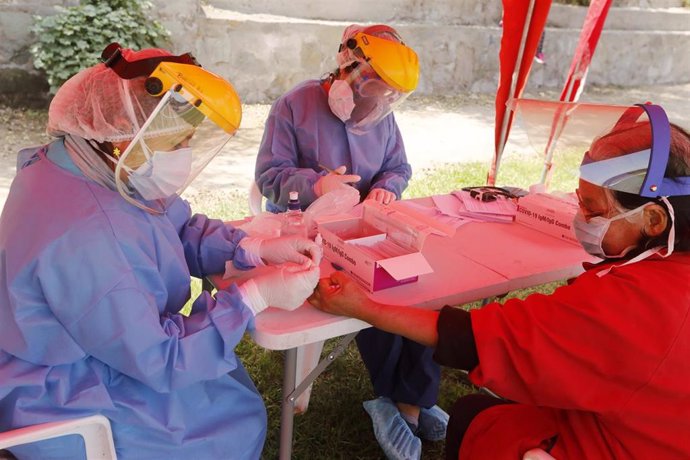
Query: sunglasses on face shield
[487, 194]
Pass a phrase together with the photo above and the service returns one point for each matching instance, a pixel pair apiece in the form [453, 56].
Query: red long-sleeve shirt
[603, 363]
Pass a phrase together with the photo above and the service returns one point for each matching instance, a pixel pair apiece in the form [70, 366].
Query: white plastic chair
[95, 429]
[255, 199]
[537, 454]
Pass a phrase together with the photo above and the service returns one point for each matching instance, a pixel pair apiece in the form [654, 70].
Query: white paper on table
[434, 213]
[448, 204]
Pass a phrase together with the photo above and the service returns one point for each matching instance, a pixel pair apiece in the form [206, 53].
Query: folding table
[482, 260]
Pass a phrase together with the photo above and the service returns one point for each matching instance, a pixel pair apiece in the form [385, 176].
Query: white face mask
[163, 174]
[591, 234]
[341, 100]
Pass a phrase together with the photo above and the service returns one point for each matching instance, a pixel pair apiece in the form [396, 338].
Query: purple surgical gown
[301, 133]
[90, 289]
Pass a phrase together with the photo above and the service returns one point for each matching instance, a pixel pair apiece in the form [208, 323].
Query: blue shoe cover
[432, 424]
[392, 432]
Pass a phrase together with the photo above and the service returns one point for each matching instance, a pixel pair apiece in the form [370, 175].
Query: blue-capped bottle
[293, 219]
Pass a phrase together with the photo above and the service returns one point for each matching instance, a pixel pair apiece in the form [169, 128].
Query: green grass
[335, 425]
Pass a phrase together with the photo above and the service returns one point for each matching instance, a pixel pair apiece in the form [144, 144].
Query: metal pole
[287, 411]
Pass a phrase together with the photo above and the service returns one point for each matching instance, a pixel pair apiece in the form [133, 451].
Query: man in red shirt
[598, 369]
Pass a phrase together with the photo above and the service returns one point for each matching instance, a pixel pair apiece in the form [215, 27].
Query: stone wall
[266, 46]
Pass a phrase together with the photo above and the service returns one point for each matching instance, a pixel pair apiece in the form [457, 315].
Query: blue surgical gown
[90, 289]
[301, 133]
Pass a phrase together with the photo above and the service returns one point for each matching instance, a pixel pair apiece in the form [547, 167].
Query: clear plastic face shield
[172, 148]
[623, 148]
[197, 114]
[373, 98]
[382, 74]
[613, 148]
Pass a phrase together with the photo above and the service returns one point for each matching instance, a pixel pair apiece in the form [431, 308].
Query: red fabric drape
[514, 18]
[589, 37]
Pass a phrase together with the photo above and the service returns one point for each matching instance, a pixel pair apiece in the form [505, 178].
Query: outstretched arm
[341, 296]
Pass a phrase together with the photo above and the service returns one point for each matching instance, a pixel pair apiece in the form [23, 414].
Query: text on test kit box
[380, 250]
[548, 214]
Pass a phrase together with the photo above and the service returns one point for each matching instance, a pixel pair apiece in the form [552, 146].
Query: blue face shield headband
[640, 173]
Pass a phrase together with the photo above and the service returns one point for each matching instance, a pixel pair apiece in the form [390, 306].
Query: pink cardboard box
[382, 249]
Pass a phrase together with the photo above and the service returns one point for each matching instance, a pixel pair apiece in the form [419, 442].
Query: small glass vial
[293, 220]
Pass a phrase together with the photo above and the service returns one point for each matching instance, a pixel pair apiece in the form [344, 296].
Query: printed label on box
[548, 214]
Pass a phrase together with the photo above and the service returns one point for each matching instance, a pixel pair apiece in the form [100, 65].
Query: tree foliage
[74, 38]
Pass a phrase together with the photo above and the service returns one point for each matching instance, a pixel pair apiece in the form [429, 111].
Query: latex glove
[274, 251]
[381, 195]
[284, 287]
[333, 180]
[293, 248]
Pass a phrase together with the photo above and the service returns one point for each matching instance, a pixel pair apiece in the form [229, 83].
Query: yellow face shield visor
[207, 92]
[395, 63]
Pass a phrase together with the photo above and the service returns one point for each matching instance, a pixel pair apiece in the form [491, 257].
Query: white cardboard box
[347, 243]
[549, 214]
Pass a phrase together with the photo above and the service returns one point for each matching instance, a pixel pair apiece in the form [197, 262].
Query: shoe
[432, 424]
[393, 434]
[540, 58]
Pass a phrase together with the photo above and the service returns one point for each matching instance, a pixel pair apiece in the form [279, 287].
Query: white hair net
[96, 104]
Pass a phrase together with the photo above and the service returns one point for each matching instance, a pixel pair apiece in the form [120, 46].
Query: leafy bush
[74, 38]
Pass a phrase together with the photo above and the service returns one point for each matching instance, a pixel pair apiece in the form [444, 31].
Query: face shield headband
[642, 172]
[112, 58]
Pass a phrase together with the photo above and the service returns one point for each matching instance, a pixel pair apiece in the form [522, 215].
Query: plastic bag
[338, 201]
[263, 225]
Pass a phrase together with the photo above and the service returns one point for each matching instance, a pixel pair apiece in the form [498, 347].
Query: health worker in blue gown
[97, 249]
[324, 134]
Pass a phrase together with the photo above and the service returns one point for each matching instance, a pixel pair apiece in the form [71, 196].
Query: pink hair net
[346, 56]
[97, 104]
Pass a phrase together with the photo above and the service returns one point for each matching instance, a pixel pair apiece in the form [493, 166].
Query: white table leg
[308, 357]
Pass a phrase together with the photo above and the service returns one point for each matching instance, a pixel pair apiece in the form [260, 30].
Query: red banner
[523, 24]
[589, 37]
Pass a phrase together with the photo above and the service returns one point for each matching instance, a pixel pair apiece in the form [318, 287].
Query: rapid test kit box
[382, 249]
[550, 214]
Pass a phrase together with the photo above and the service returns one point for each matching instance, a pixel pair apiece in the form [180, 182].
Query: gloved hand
[275, 251]
[291, 248]
[284, 287]
[333, 180]
[381, 195]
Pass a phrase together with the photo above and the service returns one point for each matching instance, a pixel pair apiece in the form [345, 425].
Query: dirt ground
[435, 130]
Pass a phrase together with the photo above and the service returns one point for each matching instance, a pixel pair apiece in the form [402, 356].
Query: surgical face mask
[591, 233]
[163, 174]
[340, 100]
